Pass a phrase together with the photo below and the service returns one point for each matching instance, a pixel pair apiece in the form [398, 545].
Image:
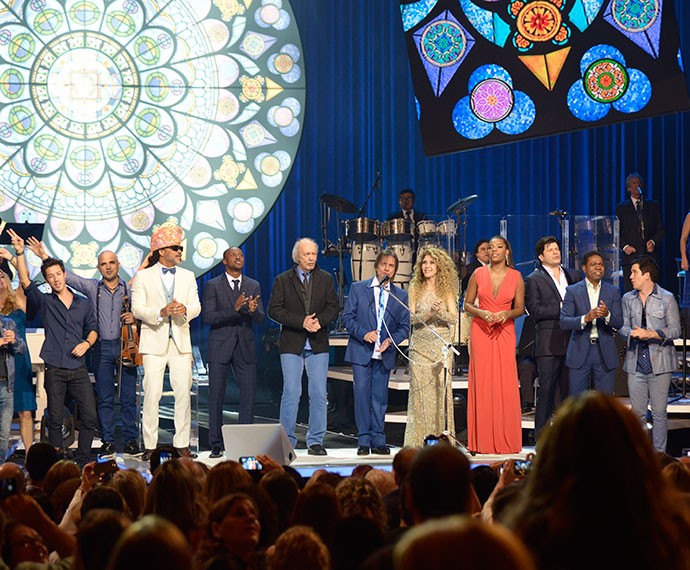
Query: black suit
[417, 216]
[543, 302]
[287, 308]
[471, 268]
[231, 344]
[631, 232]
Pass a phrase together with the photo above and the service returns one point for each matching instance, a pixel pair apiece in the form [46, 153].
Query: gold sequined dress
[426, 402]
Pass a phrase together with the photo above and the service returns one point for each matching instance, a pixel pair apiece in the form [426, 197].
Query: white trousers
[180, 366]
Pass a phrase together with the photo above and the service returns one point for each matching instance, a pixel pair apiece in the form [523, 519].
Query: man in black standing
[70, 331]
[641, 227]
[231, 306]
[407, 210]
[544, 293]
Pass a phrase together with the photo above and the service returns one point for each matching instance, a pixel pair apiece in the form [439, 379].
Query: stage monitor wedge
[242, 440]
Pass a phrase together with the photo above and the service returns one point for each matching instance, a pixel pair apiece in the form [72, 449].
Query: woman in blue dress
[13, 305]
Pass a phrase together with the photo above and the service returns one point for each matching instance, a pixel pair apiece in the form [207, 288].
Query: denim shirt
[64, 328]
[662, 316]
[17, 347]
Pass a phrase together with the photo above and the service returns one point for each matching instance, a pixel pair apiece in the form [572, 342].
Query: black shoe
[362, 450]
[381, 450]
[107, 450]
[133, 448]
[146, 456]
[184, 452]
[216, 452]
[317, 449]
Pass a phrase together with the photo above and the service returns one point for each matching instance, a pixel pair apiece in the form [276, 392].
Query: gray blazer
[662, 316]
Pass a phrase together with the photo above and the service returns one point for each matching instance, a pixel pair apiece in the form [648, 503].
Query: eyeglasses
[176, 248]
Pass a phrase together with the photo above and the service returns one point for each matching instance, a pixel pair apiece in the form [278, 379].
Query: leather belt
[593, 341]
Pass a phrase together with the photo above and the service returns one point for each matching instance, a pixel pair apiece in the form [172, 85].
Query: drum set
[362, 238]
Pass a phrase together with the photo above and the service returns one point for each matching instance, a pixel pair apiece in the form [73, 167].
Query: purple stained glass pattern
[443, 44]
[492, 100]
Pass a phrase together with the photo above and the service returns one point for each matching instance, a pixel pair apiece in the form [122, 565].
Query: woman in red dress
[494, 421]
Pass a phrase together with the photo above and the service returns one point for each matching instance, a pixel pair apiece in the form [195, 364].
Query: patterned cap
[166, 235]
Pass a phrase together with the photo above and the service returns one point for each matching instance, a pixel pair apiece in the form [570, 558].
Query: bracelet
[86, 340]
[19, 253]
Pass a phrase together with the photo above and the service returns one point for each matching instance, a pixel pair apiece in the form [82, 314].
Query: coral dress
[494, 420]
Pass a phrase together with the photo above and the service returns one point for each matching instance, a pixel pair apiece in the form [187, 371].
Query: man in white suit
[165, 298]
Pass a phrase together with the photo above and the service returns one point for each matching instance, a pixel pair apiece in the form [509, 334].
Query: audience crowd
[596, 495]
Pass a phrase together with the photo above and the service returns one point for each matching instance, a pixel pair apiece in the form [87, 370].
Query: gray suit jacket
[662, 316]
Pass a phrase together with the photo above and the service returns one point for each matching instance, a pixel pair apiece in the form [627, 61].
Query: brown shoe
[146, 456]
[184, 452]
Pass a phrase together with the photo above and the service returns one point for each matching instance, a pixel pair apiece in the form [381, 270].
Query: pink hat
[166, 235]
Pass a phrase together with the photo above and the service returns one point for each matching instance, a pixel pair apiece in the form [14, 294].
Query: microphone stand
[447, 347]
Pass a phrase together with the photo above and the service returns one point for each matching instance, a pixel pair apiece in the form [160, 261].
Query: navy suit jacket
[359, 318]
[575, 305]
[543, 303]
[230, 329]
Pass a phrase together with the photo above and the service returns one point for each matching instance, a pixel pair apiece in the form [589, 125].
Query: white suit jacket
[148, 298]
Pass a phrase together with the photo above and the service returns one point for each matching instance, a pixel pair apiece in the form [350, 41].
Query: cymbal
[339, 203]
[461, 204]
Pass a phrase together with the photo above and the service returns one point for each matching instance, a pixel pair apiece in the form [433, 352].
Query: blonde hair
[10, 303]
[447, 282]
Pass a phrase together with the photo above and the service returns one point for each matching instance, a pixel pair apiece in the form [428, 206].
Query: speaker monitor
[243, 440]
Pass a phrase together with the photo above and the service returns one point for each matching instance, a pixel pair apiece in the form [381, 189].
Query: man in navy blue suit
[375, 321]
[592, 310]
[231, 306]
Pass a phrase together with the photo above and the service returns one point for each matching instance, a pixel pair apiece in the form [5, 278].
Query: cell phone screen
[251, 463]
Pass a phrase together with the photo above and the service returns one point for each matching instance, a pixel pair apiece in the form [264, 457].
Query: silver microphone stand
[447, 346]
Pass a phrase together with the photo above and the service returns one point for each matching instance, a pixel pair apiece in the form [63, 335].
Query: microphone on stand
[377, 183]
[383, 282]
[558, 212]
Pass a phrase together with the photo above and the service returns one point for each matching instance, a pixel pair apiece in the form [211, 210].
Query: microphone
[377, 183]
[558, 212]
[385, 280]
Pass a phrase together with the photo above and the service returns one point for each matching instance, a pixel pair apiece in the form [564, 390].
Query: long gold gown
[427, 409]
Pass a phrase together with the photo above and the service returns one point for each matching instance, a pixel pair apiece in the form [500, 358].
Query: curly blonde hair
[447, 281]
[10, 303]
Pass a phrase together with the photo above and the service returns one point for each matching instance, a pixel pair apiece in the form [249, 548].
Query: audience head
[402, 462]
[484, 479]
[152, 542]
[40, 457]
[232, 526]
[355, 538]
[283, 491]
[384, 481]
[317, 507]
[299, 547]
[132, 486]
[102, 497]
[98, 533]
[23, 544]
[357, 496]
[224, 478]
[60, 471]
[460, 541]
[12, 471]
[438, 483]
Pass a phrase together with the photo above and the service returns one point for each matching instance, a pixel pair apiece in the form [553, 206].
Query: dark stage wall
[360, 118]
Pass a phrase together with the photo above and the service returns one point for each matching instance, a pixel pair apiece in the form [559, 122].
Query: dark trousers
[75, 383]
[553, 382]
[106, 356]
[245, 375]
[371, 401]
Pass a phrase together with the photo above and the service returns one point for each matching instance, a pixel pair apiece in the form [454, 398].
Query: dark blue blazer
[576, 304]
[359, 318]
[228, 325]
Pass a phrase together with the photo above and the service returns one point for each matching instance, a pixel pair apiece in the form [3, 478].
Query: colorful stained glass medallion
[539, 21]
[492, 100]
[119, 115]
[635, 15]
[606, 81]
[443, 43]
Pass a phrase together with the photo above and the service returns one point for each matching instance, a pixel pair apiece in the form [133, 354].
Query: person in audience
[460, 541]
[355, 538]
[60, 471]
[299, 547]
[224, 478]
[132, 486]
[383, 480]
[283, 491]
[678, 475]
[23, 544]
[317, 507]
[357, 496]
[40, 457]
[175, 495]
[634, 522]
[99, 531]
[11, 345]
[231, 535]
[152, 542]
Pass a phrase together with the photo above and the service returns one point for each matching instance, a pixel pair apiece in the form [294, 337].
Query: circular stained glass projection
[635, 15]
[116, 116]
[539, 21]
[492, 100]
[606, 81]
[443, 43]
